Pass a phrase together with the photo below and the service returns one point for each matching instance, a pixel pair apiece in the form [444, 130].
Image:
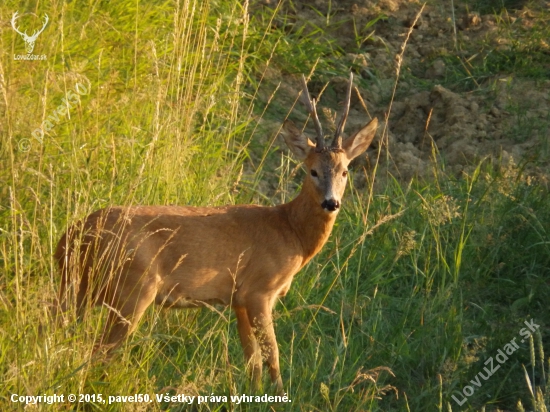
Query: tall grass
[162, 123]
[418, 286]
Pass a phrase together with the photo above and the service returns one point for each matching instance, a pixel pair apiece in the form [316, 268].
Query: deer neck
[310, 222]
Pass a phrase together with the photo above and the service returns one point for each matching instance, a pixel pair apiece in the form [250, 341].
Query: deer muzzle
[331, 205]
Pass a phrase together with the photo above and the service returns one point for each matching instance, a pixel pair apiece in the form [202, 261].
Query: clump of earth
[504, 117]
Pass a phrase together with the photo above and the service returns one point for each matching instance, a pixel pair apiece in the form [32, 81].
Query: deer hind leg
[125, 312]
[259, 313]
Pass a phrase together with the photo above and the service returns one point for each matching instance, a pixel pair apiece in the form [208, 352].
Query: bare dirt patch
[435, 112]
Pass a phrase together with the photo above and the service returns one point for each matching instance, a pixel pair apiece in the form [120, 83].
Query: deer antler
[25, 35]
[36, 33]
[310, 106]
[13, 19]
[337, 142]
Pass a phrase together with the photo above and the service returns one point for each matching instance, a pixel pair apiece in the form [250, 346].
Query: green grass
[419, 284]
[492, 6]
[512, 48]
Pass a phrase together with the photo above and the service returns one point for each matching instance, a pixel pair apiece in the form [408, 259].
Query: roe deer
[244, 256]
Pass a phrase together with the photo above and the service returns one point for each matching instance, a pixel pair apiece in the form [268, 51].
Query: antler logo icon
[29, 40]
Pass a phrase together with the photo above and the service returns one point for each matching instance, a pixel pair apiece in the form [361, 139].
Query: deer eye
[345, 173]
[314, 173]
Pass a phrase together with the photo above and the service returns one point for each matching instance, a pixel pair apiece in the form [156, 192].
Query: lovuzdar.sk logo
[29, 40]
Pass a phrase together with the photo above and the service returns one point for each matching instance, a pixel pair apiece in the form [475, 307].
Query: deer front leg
[259, 313]
[250, 346]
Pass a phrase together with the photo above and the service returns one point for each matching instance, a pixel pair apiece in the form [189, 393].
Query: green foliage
[513, 48]
[418, 286]
[495, 6]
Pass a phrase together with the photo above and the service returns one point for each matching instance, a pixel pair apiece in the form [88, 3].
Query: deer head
[29, 40]
[327, 165]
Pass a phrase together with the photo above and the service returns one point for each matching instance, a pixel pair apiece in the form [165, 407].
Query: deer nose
[330, 204]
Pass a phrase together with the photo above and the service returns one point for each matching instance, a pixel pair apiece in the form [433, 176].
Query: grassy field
[420, 285]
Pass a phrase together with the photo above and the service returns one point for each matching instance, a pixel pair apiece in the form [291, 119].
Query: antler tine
[37, 32]
[13, 19]
[310, 106]
[337, 142]
[46, 20]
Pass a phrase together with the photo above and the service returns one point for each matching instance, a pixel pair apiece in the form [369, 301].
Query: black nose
[331, 205]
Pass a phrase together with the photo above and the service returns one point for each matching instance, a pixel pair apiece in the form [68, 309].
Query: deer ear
[296, 141]
[360, 141]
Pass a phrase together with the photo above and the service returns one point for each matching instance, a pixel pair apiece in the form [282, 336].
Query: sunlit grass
[419, 284]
